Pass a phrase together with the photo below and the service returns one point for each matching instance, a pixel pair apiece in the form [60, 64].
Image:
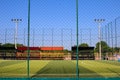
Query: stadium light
[16, 21]
[99, 21]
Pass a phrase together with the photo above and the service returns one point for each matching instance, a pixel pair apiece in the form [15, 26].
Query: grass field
[59, 68]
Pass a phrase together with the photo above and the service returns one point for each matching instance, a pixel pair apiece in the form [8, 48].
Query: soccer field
[59, 68]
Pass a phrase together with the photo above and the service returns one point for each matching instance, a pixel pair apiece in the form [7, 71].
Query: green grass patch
[100, 68]
[59, 68]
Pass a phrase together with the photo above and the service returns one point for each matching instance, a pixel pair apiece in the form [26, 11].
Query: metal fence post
[28, 69]
[77, 68]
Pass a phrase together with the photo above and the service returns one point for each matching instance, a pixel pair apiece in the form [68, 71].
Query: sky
[56, 14]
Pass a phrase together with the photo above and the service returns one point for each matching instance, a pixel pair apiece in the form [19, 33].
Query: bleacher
[85, 53]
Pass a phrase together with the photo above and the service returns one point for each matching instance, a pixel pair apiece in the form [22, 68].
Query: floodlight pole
[99, 21]
[16, 21]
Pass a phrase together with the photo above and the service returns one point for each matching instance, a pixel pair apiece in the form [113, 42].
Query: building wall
[48, 53]
[51, 48]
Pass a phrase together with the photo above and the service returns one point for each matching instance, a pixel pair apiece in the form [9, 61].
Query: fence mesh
[53, 38]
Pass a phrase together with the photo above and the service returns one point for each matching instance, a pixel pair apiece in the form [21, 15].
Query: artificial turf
[59, 68]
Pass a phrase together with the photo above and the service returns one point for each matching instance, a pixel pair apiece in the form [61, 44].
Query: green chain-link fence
[40, 39]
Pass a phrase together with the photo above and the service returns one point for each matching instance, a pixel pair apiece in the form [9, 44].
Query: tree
[104, 47]
[8, 45]
[84, 45]
[11, 45]
[0, 44]
[116, 49]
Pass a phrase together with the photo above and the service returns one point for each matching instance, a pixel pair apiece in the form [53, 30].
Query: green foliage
[10, 45]
[116, 49]
[0, 44]
[84, 45]
[104, 47]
